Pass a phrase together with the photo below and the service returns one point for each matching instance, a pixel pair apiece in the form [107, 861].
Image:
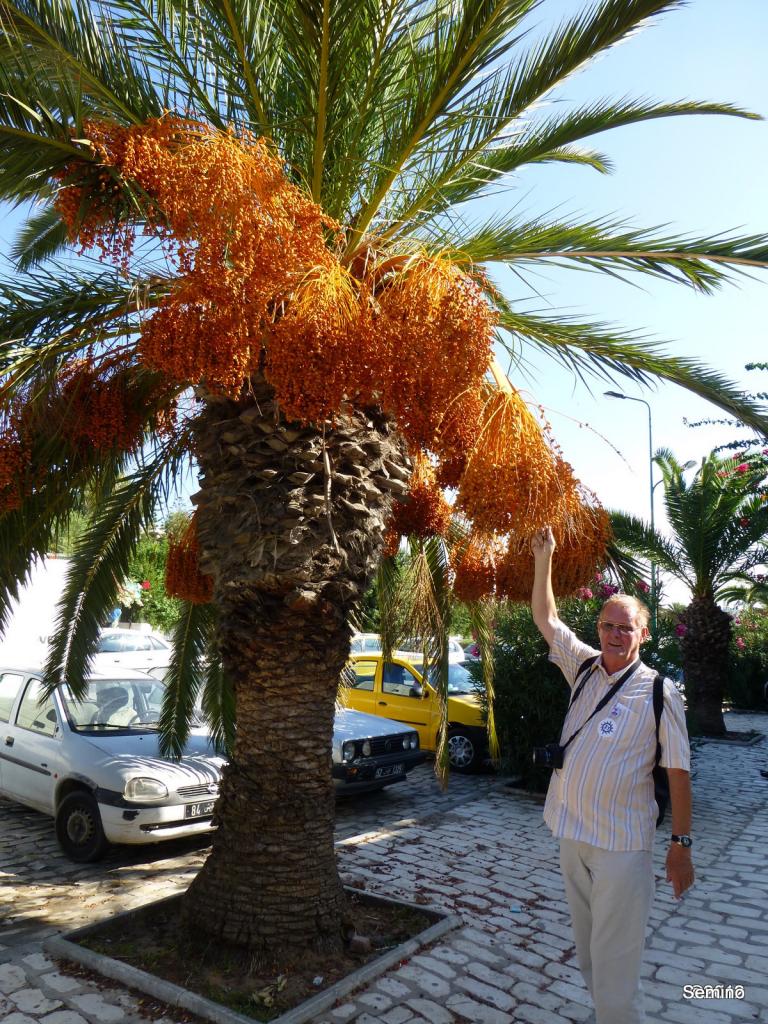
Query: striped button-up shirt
[603, 794]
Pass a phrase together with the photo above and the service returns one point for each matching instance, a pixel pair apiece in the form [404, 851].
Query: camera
[550, 756]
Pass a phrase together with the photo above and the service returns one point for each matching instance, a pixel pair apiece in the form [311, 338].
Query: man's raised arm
[543, 600]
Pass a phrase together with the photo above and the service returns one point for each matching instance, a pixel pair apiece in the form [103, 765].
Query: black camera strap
[591, 664]
[606, 699]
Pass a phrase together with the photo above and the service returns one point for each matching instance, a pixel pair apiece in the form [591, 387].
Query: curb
[67, 948]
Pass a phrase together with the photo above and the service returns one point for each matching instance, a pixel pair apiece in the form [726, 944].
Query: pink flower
[598, 577]
[765, 451]
[607, 590]
[643, 587]
[681, 629]
[723, 472]
[744, 521]
[740, 643]
[737, 622]
[146, 585]
[584, 593]
[742, 467]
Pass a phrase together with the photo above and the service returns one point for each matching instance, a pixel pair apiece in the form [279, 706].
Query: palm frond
[76, 55]
[592, 349]
[389, 589]
[184, 678]
[637, 537]
[98, 566]
[47, 315]
[218, 704]
[43, 235]
[605, 245]
[29, 532]
[475, 42]
[481, 620]
[464, 40]
[490, 142]
[429, 602]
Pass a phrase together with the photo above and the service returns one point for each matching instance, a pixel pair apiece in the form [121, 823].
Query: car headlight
[414, 741]
[366, 748]
[145, 789]
[406, 742]
[348, 750]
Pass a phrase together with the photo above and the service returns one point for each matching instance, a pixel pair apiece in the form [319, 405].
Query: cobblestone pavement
[480, 850]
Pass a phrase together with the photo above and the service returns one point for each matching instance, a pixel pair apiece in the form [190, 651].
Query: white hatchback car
[95, 764]
[131, 648]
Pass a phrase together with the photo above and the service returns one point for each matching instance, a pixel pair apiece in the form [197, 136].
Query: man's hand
[679, 869]
[543, 542]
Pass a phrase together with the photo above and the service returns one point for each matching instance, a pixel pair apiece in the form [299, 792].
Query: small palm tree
[719, 522]
[279, 191]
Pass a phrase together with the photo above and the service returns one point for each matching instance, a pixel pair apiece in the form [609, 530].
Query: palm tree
[719, 521]
[208, 149]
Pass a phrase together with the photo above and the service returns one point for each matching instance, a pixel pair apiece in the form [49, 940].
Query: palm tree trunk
[290, 525]
[705, 663]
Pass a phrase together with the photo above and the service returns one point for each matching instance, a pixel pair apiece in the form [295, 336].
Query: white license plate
[200, 810]
[390, 769]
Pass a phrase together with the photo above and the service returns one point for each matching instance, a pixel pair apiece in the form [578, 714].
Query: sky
[697, 175]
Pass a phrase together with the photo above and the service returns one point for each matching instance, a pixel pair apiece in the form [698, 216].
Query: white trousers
[609, 894]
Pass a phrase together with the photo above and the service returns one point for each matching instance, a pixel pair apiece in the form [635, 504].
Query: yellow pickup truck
[397, 689]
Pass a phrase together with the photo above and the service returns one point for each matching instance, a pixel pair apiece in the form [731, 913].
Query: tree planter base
[69, 947]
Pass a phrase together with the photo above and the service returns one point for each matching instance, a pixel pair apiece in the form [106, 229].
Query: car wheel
[462, 751]
[78, 828]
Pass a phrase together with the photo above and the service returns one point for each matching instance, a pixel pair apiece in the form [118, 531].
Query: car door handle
[9, 741]
[383, 703]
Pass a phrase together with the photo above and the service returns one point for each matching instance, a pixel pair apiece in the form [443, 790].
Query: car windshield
[109, 704]
[460, 681]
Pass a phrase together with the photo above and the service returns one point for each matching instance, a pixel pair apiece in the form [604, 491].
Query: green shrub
[748, 669]
[148, 566]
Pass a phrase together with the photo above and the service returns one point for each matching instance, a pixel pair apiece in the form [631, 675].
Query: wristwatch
[685, 841]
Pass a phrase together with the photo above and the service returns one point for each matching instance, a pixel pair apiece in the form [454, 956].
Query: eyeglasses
[622, 627]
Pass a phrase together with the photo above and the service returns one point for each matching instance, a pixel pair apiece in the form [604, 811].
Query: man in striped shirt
[600, 804]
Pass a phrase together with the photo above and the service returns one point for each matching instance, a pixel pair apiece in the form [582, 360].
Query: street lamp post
[631, 398]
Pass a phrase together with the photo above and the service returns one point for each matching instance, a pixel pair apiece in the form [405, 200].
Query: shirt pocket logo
[606, 728]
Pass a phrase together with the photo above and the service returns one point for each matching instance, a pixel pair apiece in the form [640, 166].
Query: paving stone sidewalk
[488, 857]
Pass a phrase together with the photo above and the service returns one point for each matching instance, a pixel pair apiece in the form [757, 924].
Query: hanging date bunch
[424, 512]
[512, 477]
[321, 350]
[458, 433]
[183, 578]
[437, 328]
[15, 458]
[473, 562]
[241, 234]
[93, 408]
[581, 539]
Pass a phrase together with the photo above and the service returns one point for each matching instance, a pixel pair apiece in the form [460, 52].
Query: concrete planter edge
[66, 947]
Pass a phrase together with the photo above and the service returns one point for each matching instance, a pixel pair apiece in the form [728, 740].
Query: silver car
[371, 752]
[95, 764]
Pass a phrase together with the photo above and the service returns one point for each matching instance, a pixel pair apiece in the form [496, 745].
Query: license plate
[390, 769]
[199, 810]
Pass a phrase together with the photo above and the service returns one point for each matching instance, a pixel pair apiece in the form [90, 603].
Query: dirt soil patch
[152, 941]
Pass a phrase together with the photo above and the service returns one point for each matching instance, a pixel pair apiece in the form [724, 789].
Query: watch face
[683, 841]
